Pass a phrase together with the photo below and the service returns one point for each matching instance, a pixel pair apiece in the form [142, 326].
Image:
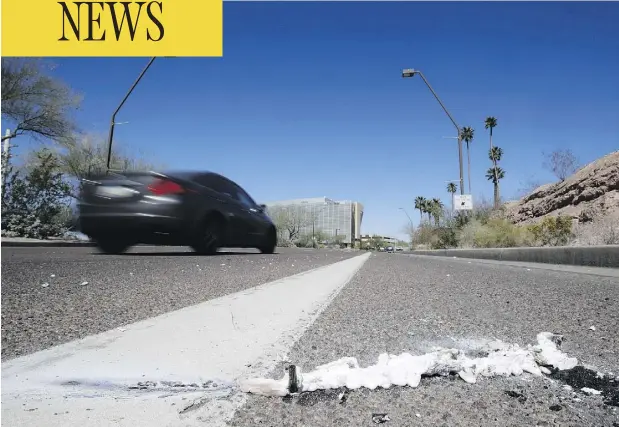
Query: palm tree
[495, 154]
[495, 174]
[436, 210]
[427, 207]
[419, 201]
[467, 135]
[490, 123]
[451, 189]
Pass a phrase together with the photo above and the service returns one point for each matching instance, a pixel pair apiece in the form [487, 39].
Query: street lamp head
[408, 72]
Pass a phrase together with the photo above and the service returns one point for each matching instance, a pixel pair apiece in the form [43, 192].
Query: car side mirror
[263, 207]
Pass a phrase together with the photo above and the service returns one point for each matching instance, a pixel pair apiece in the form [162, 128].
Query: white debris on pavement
[45, 285]
[590, 391]
[592, 328]
[547, 353]
[83, 283]
[406, 370]
[52, 275]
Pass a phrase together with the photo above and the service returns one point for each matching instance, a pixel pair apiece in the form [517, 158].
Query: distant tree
[467, 135]
[562, 163]
[495, 174]
[83, 155]
[34, 102]
[490, 123]
[289, 221]
[495, 154]
[451, 189]
[376, 242]
[419, 205]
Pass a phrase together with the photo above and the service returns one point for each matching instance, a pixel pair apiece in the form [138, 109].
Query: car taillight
[164, 187]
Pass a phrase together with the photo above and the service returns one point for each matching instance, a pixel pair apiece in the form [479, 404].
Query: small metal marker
[293, 385]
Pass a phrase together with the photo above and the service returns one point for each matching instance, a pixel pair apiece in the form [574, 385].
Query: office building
[341, 218]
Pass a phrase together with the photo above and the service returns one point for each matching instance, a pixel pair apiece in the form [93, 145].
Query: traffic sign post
[463, 202]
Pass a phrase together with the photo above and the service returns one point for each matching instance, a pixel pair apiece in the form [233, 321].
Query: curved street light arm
[113, 121]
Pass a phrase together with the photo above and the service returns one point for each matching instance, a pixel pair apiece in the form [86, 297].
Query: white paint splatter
[406, 370]
[591, 391]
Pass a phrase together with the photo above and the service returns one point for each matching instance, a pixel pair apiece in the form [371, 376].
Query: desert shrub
[468, 233]
[552, 231]
[495, 233]
[447, 238]
[423, 235]
[286, 243]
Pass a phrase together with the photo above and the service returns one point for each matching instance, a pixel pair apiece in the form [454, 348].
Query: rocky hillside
[591, 193]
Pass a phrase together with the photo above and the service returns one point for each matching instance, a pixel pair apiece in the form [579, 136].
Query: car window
[215, 183]
[244, 198]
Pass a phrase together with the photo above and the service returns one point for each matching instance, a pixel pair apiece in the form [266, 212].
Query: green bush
[552, 231]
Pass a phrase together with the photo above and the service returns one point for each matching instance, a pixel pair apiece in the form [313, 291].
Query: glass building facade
[331, 217]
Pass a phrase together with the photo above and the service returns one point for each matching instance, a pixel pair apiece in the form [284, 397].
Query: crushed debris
[380, 418]
[501, 359]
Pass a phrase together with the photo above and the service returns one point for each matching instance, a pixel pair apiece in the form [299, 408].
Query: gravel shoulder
[146, 282]
[406, 304]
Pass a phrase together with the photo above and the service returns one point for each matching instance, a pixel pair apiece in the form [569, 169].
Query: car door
[251, 215]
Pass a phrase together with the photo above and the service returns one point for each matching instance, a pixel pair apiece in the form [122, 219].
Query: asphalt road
[145, 282]
[396, 303]
[399, 303]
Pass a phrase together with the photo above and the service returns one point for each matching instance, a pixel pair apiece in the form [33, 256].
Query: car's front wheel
[270, 243]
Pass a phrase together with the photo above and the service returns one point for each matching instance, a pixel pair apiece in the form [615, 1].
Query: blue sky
[308, 100]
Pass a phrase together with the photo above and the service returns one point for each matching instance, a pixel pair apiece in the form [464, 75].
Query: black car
[203, 210]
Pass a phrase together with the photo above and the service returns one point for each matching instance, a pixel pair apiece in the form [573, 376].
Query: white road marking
[86, 382]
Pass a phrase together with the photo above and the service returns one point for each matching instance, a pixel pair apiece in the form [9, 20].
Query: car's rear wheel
[270, 243]
[209, 236]
[112, 246]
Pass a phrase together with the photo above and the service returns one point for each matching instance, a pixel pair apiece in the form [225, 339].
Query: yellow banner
[112, 28]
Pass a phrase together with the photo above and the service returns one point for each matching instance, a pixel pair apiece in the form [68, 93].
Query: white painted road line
[202, 348]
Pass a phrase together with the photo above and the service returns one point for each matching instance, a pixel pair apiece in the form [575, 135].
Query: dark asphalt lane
[122, 289]
[409, 304]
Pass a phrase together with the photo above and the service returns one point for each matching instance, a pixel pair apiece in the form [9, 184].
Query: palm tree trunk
[468, 155]
[491, 139]
[420, 216]
[452, 202]
[496, 192]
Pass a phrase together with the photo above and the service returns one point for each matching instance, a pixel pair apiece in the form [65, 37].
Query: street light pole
[410, 72]
[113, 121]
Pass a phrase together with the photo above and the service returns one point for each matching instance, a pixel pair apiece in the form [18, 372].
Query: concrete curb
[591, 256]
[45, 244]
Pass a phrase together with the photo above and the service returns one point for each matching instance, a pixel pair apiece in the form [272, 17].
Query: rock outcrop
[591, 193]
